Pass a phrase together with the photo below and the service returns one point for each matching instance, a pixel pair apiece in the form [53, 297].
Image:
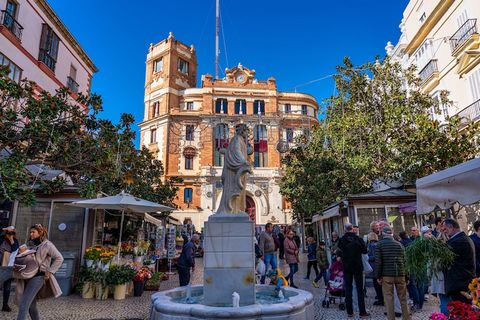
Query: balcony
[470, 113]
[468, 29]
[47, 59]
[429, 72]
[11, 24]
[72, 85]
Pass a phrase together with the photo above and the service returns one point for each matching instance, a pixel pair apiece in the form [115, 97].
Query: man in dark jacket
[187, 260]
[476, 242]
[390, 273]
[462, 271]
[352, 247]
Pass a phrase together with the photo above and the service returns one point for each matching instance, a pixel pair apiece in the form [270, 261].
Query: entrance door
[250, 209]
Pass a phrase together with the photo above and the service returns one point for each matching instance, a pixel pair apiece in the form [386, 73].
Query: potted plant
[143, 274]
[153, 284]
[118, 277]
[92, 254]
[86, 282]
[106, 256]
[101, 287]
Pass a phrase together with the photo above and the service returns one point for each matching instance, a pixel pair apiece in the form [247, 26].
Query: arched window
[259, 107]
[221, 106]
[221, 142]
[260, 146]
[240, 106]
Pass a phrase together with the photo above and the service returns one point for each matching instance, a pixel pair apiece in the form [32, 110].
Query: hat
[10, 228]
[387, 231]
[425, 229]
[321, 243]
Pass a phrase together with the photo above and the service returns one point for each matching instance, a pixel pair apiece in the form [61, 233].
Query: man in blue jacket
[187, 260]
[476, 242]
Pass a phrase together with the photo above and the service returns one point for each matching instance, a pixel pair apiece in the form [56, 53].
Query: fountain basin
[171, 304]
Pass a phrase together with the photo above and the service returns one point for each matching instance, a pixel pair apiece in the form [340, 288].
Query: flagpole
[217, 36]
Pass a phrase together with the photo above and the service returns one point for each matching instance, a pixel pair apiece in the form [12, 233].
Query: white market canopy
[443, 189]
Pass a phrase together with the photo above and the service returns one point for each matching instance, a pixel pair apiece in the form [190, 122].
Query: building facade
[36, 45]
[441, 38]
[188, 127]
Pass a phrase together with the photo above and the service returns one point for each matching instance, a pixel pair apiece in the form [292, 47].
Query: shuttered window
[474, 83]
[48, 47]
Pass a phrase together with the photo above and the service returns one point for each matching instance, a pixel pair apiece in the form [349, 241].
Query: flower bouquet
[462, 311]
[92, 254]
[106, 255]
[475, 291]
[126, 249]
[143, 274]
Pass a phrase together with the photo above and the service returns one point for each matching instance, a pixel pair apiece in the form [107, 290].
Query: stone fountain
[229, 261]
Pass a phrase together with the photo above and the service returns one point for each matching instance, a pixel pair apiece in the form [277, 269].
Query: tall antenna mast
[217, 35]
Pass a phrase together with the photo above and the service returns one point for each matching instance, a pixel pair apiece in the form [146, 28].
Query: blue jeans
[416, 292]
[322, 274]
[444, 300]
[269, 259]
[293, 270]
[28, 301]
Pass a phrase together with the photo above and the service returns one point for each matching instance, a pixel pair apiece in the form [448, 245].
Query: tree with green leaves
[40, 131]
[379, 126]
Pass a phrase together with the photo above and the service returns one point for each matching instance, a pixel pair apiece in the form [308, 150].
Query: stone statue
[235, 169]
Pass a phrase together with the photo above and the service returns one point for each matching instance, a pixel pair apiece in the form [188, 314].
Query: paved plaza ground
[75, 308]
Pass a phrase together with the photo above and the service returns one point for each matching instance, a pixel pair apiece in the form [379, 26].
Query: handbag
[26, 265]
[367, 268]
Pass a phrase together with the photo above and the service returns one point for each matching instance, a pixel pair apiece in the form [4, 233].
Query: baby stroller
[334, 289]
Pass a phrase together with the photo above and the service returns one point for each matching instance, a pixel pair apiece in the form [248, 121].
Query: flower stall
[463, 311]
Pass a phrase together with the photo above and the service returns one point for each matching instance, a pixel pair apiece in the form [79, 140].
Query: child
[26, 265]
[322, 262]
[277, 279]
[312, 257]
[336, 273]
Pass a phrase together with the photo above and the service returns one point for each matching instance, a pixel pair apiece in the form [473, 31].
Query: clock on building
[240, 77]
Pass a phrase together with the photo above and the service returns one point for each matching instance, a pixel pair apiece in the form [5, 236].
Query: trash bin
[64, 275]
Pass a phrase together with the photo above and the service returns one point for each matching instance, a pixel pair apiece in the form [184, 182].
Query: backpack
[25, 266]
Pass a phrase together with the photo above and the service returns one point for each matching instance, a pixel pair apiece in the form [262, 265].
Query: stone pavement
[75, 308]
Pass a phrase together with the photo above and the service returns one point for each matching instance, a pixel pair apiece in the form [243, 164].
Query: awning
[329, 213]
[443, 189]
[409, 207]
[152, 220]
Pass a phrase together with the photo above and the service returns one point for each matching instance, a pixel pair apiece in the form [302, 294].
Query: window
[474, 82]
[304, 110]
[423, 55]
[288, 108]
[188, 163]
[156, 109]
[48, 47]
[187, 195]
[260, 146]
[15, 72]
[289, 133]
[221, 142]
[12, 9]
[240, 106]
[158, 65]
[221, 106]
[189, 132]
[153, 135]
[258, 107]
[189, 105]
[182, 66]
[71, 83]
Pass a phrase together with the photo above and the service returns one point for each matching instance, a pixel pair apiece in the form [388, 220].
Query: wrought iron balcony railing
[46, 58]
[72, 84]
[470, 113]
[428, 70]
[11, 24]
[463, 33]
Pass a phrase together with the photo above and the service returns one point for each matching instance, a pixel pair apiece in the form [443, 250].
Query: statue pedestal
[229, 259]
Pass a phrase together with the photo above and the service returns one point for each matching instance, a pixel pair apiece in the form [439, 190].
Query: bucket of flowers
[92, 254]
[106, 256]
[143, 274]
[141, 250]
[126, 250]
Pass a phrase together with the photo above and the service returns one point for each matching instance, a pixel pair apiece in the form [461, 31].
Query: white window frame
[158, 65]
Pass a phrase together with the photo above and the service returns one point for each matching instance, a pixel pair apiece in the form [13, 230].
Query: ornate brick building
[187, 127]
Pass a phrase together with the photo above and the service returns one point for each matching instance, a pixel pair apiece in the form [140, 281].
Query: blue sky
[293, 41]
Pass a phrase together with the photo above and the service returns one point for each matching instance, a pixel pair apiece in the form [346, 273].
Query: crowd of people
[32, 266]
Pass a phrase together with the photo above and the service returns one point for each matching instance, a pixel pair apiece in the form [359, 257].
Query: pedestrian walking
[312, 257]
[475, 236]
[334, 245]
[438, 278]
[291, 257]
[323, 264]
[281, 239]
[186, 261]
[352, 247]
[9, 244]
[372, 244]
[49, 261]
[462, 271]
[268, 248]
[390, 273]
